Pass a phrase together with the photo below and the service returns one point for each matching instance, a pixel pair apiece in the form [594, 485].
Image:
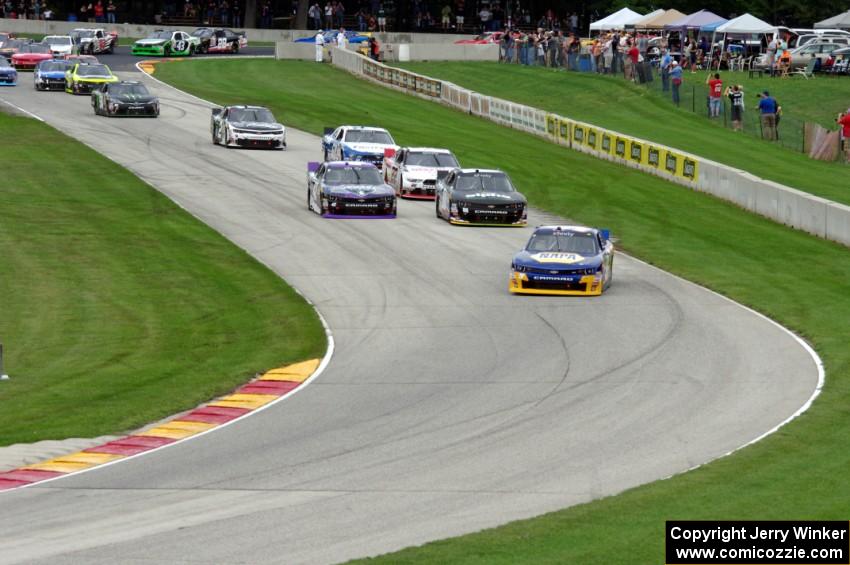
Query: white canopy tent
[617, 20]
[745, 24]
[841, 21]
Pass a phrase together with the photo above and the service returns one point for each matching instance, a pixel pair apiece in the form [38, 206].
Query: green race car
[167, 44]
[82, 78]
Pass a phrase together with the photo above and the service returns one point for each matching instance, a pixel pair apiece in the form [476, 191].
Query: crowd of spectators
[25, 10]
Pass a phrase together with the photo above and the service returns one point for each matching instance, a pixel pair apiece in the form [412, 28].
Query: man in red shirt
[715, 94]
[844, 121]
[633, 55]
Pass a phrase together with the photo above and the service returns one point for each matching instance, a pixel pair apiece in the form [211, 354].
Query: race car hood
[490, 197]
[133, 98]
[151, 41]
[31, 56]
[556, 259]
[96, 79]
[51, 74]
[359, 190]
[259, 126]
[424, 172]
[365, 148]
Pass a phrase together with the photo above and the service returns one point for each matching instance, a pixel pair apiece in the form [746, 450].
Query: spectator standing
[768, 109]
[596, 55]
[573, 23]
[266, 14]
[341, 39]
[608, 55]
[361, 19]
[634, 56]
[844, 123]
[329, 15]
[374, 49]
[666, 61]
[99, 12]
[210, 11]
[676, 80]
[90, 12]
[496, 17]
[715, 95]
[320, 46]
[615, 53]
[446, 17]
[382, 18]
[110, 12]
[315, 15]
[736, 102]
[339, 13]
[573, 46]
[484, 17]
[460, 11]
[224, 12]
[771, 54]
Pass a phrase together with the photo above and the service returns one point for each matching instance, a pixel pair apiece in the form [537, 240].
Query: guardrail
[783, 204]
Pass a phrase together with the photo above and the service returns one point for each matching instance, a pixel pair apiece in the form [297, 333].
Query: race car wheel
[167, 51]
[235, 48]
[191, 50]
[438, 210]
[214, 137]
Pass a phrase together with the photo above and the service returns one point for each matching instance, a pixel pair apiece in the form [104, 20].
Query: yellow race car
[82, 78]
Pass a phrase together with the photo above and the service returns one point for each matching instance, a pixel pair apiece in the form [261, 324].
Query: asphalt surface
[449, 405]
[123, 60]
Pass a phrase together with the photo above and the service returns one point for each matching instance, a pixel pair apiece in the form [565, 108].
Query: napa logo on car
[556, 257]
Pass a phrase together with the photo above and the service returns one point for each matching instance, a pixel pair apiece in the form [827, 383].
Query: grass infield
[799, 280]
[636, 110]
[117, 308]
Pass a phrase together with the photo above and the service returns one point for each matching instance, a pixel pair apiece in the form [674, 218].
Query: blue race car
[50, 75]
[330, 37]
[357, 143]
[8, 74]
[566, 260]
[343, 189]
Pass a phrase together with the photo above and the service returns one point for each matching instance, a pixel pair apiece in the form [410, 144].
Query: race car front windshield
[93, 71]
[446, 160]
[57, 40]
[485, 182]
[353, 175]
[564, 242]
[251, 115]
[84, 33]
[35, 48]
[53, 66]
[129, 89]
[368, 136]
[160, 35]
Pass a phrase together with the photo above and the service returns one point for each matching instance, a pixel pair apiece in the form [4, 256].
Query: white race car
[60, 45]
[414, 171]
[357, 143]
[246, 126]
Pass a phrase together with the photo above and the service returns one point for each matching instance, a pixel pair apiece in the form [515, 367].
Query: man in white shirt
[320, 46]
[341, 40]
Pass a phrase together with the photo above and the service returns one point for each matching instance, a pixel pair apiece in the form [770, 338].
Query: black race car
[220, 40]
[125, 98]
[479, 197]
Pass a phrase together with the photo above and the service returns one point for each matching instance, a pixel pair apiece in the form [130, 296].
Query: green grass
[799, 472]
[635, 110]
[118, 308]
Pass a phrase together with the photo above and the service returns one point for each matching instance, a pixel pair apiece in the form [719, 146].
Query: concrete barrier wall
[443, 52]
[138, 30]
[783, 204]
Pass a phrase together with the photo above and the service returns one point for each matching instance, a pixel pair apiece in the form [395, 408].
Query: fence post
[3, 375]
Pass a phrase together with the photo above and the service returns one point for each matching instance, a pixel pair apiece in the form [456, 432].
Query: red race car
[29, 56]
[483, 39]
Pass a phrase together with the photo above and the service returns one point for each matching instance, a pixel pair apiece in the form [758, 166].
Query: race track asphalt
[449, 405]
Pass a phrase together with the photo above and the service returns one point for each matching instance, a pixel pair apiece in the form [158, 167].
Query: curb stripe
[252, 396]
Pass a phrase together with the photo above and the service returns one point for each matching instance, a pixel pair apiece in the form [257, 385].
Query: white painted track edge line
[802, 342]
[19, 109]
